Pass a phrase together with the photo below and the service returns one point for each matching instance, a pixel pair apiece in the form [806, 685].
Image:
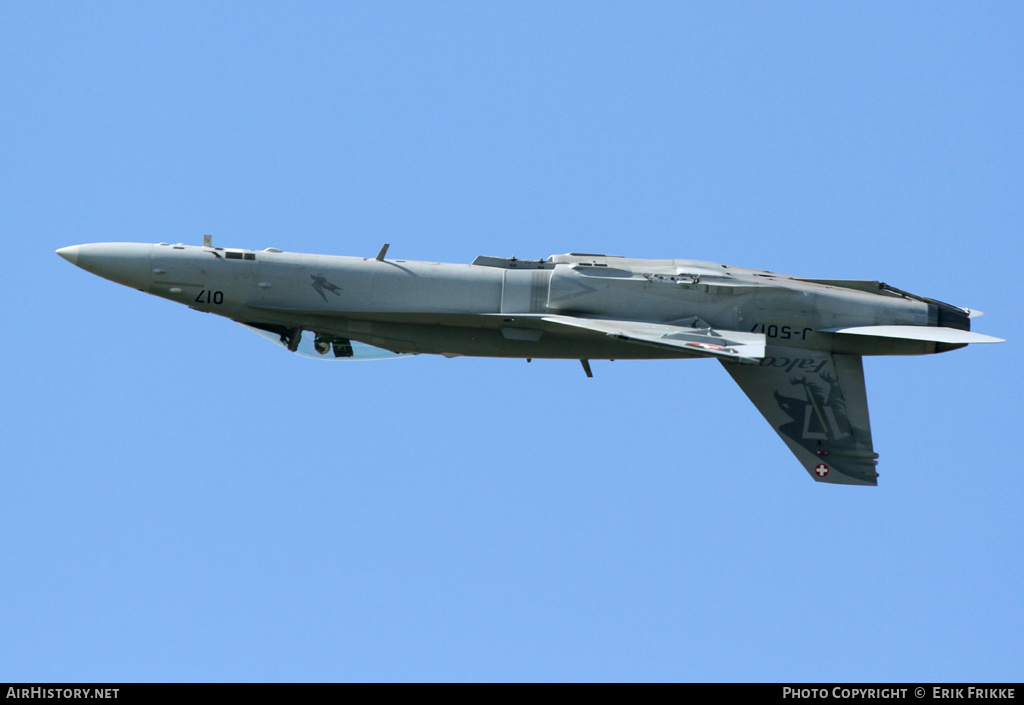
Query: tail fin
[817, 403]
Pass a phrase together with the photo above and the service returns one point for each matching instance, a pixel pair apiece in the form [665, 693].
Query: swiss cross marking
[821, 469]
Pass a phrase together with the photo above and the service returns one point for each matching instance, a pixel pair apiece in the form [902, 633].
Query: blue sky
[184, 501]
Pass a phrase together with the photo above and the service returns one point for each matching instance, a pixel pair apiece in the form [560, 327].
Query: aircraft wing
[817, 403]
[698, 342]
[701, 342]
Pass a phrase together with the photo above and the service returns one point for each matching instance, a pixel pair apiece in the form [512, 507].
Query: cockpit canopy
[321, 346]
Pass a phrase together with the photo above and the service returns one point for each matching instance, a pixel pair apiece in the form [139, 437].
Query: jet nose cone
[69, 253]
[126, 263]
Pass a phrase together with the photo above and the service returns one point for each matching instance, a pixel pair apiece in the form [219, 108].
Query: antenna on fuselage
[383, 251]
[207, 240]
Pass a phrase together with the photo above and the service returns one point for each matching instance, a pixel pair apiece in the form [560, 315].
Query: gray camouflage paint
[781, 338]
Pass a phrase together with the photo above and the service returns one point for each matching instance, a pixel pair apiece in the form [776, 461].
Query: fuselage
[493, 306]
[793, 345]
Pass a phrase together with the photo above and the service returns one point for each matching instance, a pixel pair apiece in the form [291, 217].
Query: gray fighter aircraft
[794, 345]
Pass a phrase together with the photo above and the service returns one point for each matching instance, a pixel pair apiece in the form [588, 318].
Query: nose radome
[126, 263]
[69, 253]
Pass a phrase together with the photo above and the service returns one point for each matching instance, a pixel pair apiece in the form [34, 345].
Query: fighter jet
[794, 345]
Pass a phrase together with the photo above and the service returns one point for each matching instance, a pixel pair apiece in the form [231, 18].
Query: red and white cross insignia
[821, 469]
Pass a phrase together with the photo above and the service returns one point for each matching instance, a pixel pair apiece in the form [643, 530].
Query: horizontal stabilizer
[928, 333]
[701, 342]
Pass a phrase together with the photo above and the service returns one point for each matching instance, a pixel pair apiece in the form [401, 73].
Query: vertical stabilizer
[817, 403]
